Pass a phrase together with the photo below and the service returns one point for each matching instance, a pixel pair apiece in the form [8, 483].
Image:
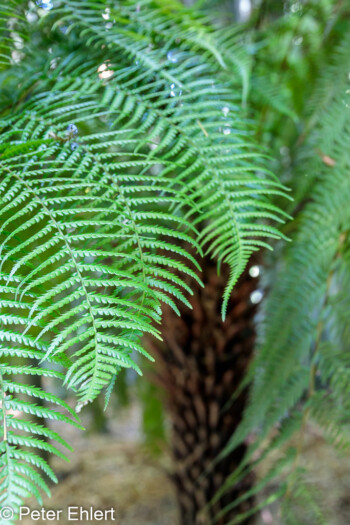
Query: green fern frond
[120, 164]
[23, 439]
[325, 121]
[302, 362]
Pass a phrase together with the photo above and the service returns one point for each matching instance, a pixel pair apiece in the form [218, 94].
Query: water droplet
[284, 150]
[173, 56]
[124, 220]
[106, 74]
[103, 71]
[106, 14]
[45, 4]
[17, 40]
[72, 129]
[295, 7]
[31, 17]
[256, 296]
[297, 41]
[16, 56]
[254, 271]
[226, 131]
[175, 91]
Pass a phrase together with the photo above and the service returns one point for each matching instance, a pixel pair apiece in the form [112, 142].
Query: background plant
[299, 374]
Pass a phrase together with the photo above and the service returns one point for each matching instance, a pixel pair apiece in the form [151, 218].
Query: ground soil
[115, 470]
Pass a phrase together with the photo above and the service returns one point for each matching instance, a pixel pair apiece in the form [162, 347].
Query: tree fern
[301, 368]
[124, 150]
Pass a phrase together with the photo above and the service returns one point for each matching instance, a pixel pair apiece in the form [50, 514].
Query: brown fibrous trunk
[201, 363]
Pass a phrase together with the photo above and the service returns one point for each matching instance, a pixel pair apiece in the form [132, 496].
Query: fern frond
[122, 159]
[302, 358]
[23, 438]
[325, 121]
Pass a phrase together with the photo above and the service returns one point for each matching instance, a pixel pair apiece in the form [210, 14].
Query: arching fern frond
[125, 157]
[325, 122]
[23, 440]
[72, 208]
[301, 370]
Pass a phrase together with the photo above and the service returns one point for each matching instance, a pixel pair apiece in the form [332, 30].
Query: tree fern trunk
[202, 362]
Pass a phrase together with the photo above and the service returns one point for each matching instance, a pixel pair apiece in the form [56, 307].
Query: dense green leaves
[301, 369]
[125, 154]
